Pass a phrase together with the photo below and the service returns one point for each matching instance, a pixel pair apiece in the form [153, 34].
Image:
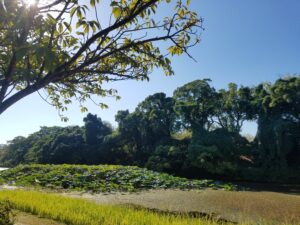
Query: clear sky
[246, 42]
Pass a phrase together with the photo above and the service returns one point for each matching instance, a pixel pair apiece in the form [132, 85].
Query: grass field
[83, 212]
[239, 206]
[100, 197]
[249, 207]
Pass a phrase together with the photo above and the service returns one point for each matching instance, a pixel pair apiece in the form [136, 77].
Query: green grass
[82, 212]
[102, 178]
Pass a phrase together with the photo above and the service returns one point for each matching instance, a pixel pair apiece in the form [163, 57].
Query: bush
[6, 213]
[167, 158]
[102, 178]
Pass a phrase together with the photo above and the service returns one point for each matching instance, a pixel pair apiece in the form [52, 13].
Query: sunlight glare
[30, 2]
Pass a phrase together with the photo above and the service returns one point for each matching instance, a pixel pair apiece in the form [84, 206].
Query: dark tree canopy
[157, 112]
[95, 129]
[195, 102]
[67, 49]
[234, 106]
[278, 109]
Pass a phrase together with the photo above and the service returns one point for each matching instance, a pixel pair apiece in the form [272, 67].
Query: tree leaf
[117, 12]
[93, 3]
[21, 52]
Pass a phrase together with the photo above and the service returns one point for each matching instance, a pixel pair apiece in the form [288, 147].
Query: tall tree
[95, 129]
[14, 152]
[195, 103]
[234, 107]
[278, 108]
[67, 49]
[157, 112]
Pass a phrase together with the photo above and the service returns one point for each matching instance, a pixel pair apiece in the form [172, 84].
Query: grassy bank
[240, 206]
[82, 212]
[102, 178]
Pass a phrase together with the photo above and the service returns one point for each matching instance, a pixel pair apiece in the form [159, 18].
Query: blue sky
[246, 42]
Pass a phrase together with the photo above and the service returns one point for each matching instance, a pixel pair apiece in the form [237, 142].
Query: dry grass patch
[267, 206]
[28, 219]
[244, 206]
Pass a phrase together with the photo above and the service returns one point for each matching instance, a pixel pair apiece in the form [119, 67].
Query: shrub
[6, 213]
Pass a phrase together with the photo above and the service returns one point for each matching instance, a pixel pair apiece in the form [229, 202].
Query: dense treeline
[195, 133]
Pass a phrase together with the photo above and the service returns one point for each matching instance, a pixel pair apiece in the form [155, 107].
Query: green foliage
[168, 158]
[218, 152]
[234, 106]
[195, 133]
[104, 178]
[95, 129]
[281, 97]
[15, 151]
[49, 145]
[71, 53]
[278, 108]
[6, 213]
[157, 116]
[194, 103]
[150, 124]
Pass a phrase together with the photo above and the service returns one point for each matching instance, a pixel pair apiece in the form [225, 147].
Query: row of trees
[194, 133]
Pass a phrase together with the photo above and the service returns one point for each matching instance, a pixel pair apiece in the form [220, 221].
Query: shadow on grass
[191, 214]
